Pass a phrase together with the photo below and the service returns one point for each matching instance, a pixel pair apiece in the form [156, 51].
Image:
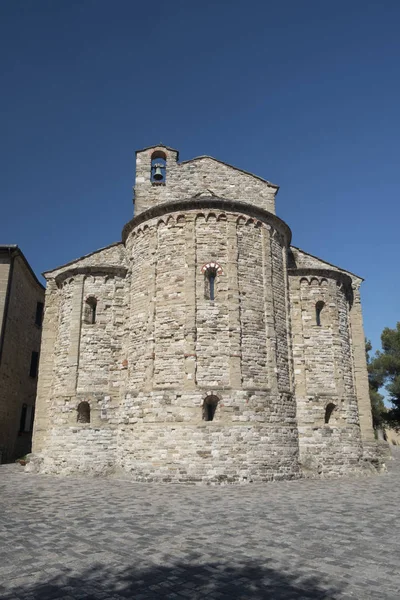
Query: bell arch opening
[158, 168]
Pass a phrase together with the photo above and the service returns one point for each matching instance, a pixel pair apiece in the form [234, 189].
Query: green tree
[378, 408]
[384, 370]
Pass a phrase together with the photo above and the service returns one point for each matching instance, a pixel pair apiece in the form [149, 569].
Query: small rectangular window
[26, 419]
[34, 364]
[39, 313]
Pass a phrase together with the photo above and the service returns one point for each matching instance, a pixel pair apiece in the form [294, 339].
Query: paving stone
[112, 540]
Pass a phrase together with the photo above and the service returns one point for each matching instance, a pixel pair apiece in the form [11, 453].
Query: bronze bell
[158, 174]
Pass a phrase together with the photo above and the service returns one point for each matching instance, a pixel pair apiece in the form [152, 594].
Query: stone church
[202, 347]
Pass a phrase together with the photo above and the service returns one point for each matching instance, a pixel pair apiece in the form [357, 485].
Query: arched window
[210, 270]
[209, 408]
[211, 275]
[90, 310]
[328, 411]
[158, 167]
[318, 310]
[83, 412]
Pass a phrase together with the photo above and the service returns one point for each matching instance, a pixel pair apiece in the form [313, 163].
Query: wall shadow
[192, 581]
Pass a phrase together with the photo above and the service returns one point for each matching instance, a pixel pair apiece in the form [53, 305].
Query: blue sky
[304, 94]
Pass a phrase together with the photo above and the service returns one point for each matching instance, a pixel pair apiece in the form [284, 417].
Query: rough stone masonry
[203, 347]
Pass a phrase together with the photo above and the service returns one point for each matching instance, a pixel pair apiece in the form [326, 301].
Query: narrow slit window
[318, 310]
[328, 411]
[210, 271]
[90, 310]
[211, 279]
[83, 412]
[209, 408]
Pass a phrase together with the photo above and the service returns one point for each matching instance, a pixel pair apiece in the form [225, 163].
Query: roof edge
[158, 146]
[71, 262]
[16, 251]
[232, 167]
[328, 263]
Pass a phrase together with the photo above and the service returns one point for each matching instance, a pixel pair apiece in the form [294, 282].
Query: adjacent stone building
[203, 346]
[21, 309]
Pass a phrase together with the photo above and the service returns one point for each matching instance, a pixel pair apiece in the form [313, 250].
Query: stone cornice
[212, 203]
[91, 270]
[341, 278]
[327, 273]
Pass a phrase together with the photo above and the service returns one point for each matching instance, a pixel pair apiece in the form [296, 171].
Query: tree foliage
[378, 408]
[384, 371]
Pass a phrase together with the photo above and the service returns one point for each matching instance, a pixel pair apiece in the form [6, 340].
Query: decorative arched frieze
[91, 271]
[213, 204]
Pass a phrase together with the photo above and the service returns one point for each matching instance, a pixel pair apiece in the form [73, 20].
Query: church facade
[203, 347]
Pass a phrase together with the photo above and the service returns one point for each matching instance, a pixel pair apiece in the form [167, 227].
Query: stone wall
[21, 338]
[173, 348]
[181, 386]
[330, 443]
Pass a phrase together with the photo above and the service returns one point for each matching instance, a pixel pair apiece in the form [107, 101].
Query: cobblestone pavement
[114, 539]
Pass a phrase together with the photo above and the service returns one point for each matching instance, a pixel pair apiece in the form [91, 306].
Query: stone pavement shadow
[212, 581]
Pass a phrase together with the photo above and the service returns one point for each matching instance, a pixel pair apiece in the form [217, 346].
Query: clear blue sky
[305, 94]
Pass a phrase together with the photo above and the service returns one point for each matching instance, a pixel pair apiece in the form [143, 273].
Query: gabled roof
[328, 264]
[16, 251]
[221, 162]
[80, 258]
[158, 146]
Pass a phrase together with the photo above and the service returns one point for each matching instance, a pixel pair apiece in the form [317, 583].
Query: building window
[209, 408]
[90, 310]
[39, 313]
[26, 419]
[34, 364]
[318, 310]
[211, 275]
[158, 167]
[23, 418]
[83, 412]
[328, 411]
[210, 271]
